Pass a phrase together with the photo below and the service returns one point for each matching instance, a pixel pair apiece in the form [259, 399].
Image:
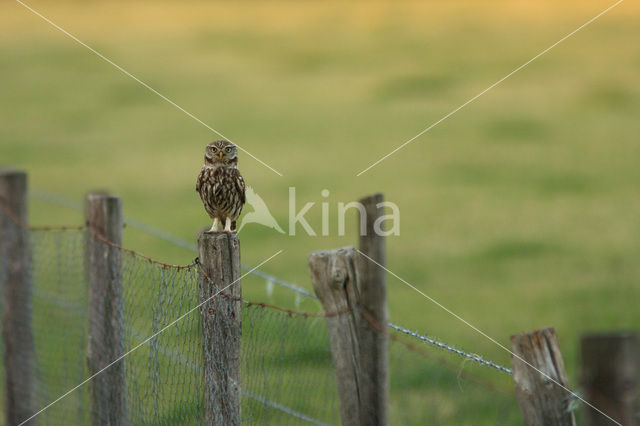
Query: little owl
[220, 185]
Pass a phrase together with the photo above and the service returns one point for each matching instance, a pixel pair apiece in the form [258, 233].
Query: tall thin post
[610, 368]
[104, 220]
[374, 345]
[221, 313]
[542, 402]
[17, 332]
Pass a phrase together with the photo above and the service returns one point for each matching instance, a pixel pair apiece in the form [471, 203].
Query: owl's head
[221, 153]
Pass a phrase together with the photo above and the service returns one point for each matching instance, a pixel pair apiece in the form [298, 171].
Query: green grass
[518, 212]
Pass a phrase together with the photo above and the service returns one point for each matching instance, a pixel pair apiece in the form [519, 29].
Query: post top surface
[7, 171]
[102, 196]
[324, 253]
[378, 196]
[551, 330]
[611, 335]
[203, 235]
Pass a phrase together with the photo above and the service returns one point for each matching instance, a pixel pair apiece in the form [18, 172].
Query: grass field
[518, 212]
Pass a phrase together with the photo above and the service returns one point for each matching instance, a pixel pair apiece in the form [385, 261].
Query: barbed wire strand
[409, 345]
[435, 342]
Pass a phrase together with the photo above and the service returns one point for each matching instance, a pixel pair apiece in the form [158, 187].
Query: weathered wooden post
[221, 313]
[374, 345]
[356, 354]
[542, 402]
[103, 214]
[610, 377]
[17, 333]
[334, 278]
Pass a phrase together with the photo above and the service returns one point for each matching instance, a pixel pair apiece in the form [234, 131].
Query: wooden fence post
[219, 257]
[541, 401]
[103, 214]
[610, 377]
[374, 345]
[17, 332]
[335, 280]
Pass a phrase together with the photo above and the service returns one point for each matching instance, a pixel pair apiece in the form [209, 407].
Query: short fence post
[19, 359]
[610, 377]
[221, 313]
[374, 345]
[335, 280]
[541, 401]
[103, 214]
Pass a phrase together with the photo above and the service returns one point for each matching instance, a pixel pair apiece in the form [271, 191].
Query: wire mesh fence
[287, 371]
[287, 374]
[59, 321]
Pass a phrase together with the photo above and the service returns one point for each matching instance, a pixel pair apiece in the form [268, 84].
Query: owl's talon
[214, 227]
[227, 225]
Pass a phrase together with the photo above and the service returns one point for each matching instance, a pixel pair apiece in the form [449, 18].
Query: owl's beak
[220, 154]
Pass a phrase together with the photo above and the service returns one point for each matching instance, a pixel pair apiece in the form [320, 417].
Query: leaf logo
[260, 214]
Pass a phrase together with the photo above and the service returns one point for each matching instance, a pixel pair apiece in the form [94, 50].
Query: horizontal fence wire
[441, 345]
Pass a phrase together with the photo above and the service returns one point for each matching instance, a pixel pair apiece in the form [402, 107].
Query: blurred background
[518, 212]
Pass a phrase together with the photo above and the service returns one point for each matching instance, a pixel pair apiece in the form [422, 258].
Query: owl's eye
[228, 149]
[214, 149]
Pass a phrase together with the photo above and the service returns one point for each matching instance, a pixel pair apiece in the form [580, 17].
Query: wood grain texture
[372, 296]
[219, 257]
[541, 401]
[17, 332]
[334, 278]
[356, 350]
[103, 214]
[610, 367]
